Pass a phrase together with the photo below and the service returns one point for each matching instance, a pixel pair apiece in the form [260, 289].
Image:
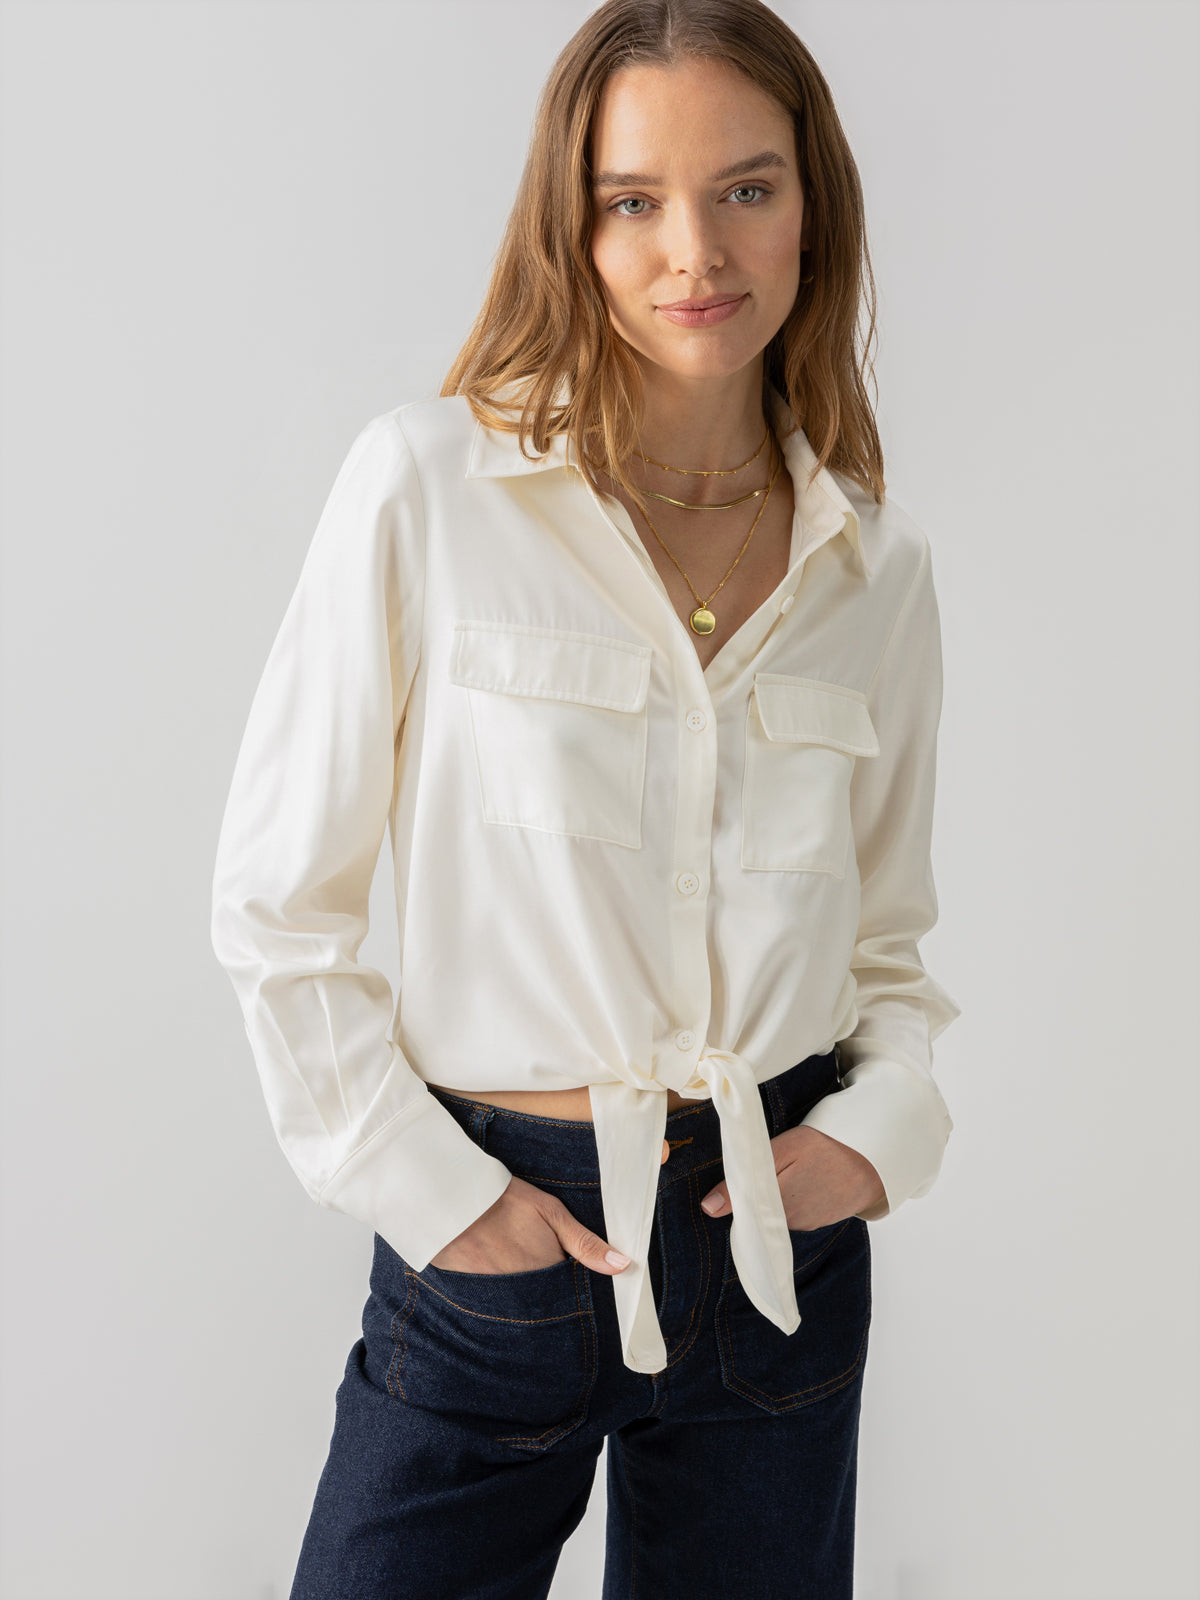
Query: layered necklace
[703, 619]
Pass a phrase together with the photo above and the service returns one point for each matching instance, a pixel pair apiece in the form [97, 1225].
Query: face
[696, 197]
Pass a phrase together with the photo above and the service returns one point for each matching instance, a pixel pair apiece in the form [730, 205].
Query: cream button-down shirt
[613, 867]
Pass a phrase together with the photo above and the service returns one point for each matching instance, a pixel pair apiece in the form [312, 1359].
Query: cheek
[603, 257]
[605, 260]
[618, 263]
[778, 259]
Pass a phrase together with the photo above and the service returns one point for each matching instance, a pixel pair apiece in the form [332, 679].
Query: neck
[701, 424]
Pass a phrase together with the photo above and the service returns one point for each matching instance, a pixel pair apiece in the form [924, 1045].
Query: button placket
[696, 751]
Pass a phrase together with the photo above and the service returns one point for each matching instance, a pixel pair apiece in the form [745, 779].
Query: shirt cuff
[894, 1117]
[419, 1182]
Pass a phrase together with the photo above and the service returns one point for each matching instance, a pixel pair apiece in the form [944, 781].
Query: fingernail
[616, 1259]
[713, 1204]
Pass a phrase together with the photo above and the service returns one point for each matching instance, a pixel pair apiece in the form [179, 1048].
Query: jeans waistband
[565, 1150]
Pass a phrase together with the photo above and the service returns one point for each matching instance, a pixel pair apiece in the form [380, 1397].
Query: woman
[621, 639]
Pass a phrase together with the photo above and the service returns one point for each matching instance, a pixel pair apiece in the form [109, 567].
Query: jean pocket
[779, 1371]
[512, 1354]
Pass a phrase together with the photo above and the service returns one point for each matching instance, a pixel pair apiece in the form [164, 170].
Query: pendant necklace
[703, 620]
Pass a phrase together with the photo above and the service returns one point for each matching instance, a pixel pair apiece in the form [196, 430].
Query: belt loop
[777, 1107]
[481, 1116]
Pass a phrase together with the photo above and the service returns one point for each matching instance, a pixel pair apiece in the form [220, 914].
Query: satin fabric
[613, 865]
[630, 1117]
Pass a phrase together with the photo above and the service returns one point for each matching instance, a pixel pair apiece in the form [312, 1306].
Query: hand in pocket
[822, 1181]
[526, 1229]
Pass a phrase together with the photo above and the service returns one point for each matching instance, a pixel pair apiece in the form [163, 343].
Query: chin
[704, 367]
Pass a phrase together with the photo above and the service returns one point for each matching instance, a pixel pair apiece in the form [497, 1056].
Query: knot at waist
[630, 1122]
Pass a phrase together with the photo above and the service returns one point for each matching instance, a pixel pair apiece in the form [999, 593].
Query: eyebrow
[619, 180]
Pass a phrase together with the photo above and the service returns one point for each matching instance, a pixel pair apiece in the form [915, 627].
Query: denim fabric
[475, 1406]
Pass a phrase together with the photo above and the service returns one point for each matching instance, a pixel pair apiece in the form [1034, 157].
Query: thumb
[586, 1246]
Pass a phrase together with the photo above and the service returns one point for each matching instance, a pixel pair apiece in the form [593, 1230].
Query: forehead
[684, 114]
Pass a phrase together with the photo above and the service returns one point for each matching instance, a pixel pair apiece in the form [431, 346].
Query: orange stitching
[776, 1402]
[685, 1344]
[558, 1122]
[838, 1381]
[400, 1344]
[589, 1378]
[532, 1322]
[588, 1320]
[524, 1116]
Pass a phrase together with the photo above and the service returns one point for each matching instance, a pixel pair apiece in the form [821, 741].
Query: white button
[685, 1039]
[786, 604]
[696, 720]
[687, 883]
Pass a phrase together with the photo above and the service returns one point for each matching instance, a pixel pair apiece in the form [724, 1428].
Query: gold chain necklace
[707, 472]
[690, 505]
[703, 620]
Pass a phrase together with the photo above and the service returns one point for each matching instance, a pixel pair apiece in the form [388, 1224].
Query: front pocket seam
[487, 1316]
[550, 1435]
[818, 1391]
[782, 1402]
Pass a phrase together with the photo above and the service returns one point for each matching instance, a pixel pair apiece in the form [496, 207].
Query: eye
[742, 187]
[756, 189]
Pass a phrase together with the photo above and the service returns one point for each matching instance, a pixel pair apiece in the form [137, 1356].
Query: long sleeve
[890, 1109]
[300, 838]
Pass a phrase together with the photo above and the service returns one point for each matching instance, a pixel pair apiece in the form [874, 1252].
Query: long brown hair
[543, 333]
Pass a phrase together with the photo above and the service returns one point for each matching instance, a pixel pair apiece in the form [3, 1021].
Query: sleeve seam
[408, 450]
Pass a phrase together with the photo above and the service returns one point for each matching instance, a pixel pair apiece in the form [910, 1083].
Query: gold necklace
[707, 472]
[690, 505]
[703, 620]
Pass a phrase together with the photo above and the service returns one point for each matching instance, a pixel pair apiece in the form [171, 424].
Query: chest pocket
[802, 740]
[559, 722]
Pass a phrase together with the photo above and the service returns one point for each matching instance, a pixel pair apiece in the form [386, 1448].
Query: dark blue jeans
[475, 1406]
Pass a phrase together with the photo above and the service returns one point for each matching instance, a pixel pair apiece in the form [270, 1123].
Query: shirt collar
[823, 506]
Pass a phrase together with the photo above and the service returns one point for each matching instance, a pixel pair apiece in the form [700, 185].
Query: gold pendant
[702, 620]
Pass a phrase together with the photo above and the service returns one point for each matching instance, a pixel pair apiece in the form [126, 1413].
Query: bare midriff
[751, 581]
[571, 1105]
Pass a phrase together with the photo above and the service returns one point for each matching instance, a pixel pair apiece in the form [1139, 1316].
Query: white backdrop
[233, 232]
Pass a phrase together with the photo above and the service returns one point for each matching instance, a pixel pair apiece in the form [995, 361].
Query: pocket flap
[804, 711]
[509, 658]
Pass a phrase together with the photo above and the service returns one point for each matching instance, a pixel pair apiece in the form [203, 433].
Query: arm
[890, 1109]
[299, 841]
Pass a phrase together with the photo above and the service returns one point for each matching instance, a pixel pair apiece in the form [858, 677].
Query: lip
[703, 313]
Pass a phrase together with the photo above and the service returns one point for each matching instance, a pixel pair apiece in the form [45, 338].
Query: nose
[694, 244]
